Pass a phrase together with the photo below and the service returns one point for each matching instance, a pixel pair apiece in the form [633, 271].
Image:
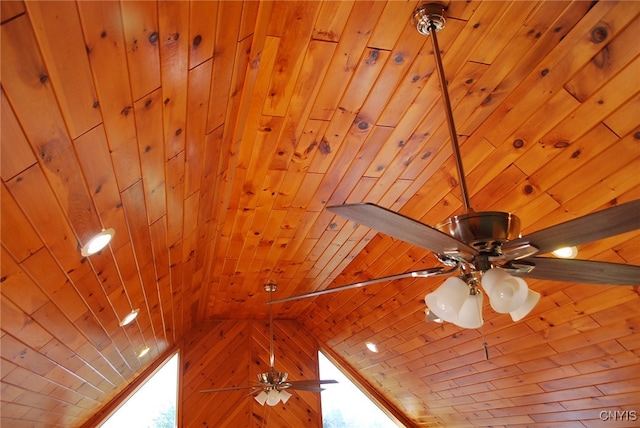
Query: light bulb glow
[129, 318]
[144, 352]
[372, 347]
[98, 242]
[566, 252]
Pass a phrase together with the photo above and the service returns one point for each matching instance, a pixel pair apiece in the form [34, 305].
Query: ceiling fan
[486, 248]
[272, 386]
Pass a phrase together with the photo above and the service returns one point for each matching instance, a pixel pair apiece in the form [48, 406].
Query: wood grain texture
[213, 135]
[231, 353]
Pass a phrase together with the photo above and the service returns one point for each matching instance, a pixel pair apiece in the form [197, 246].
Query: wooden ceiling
[212, 136]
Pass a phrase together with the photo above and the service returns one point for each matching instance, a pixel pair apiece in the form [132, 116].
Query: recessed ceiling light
[372, 347]
[98, 242]
[566, 252]
[129, 318]
[144, 352]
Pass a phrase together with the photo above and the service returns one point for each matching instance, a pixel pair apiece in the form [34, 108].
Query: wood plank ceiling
[212, 135]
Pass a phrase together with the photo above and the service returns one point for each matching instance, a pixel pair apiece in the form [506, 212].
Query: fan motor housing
[486, 231]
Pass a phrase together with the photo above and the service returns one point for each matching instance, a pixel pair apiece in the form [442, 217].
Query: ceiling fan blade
[415, 274]
[307, 388]
[401, 227]
[297, 383]
[582, 271]
[591, 227]
[233, 388]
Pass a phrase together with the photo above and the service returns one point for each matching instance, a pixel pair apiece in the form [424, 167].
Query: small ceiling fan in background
[486, 248]
[272, 386]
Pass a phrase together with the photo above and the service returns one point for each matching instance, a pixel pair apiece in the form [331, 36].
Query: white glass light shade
[261, 398]
[506, 292]
[273, 397]
[530, 302]
[447, 300]
[284, 396]
[470, 314]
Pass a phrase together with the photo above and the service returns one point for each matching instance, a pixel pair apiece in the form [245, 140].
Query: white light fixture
[129, 318]
[530, 302]
[506, 292]
[144, 352]
[98, 242]
[566, 252]
[372, 346]
[261, 398]
[272, 397]
[284, 396]
[460, 303]
[447, 300]
[470, 314]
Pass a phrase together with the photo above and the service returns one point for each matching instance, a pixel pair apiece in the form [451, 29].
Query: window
[344, 405]
[153, 405]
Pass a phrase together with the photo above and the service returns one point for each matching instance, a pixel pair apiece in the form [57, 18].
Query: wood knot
[599, 34]
[561, 144]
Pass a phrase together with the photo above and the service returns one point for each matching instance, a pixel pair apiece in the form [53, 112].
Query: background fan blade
[297, 383]
[583, 271]
[417, 273]
[232, 388]
[591, 227]
[307, 388]
[398, 226]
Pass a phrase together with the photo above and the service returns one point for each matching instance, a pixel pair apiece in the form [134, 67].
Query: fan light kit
[272, 385]
[486, 248]
[98, 242]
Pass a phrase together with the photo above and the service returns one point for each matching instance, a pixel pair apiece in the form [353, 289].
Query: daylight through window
[153, 405]
[344, 405]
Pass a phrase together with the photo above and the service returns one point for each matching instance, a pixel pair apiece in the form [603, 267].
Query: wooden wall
[221, 354]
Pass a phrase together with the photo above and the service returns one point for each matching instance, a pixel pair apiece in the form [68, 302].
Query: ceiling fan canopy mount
[485, 231]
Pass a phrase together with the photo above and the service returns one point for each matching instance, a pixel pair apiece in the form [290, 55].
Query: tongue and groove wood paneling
[212, 135]
[223, 354]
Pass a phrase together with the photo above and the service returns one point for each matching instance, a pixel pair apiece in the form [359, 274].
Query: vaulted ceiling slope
[211, 136]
